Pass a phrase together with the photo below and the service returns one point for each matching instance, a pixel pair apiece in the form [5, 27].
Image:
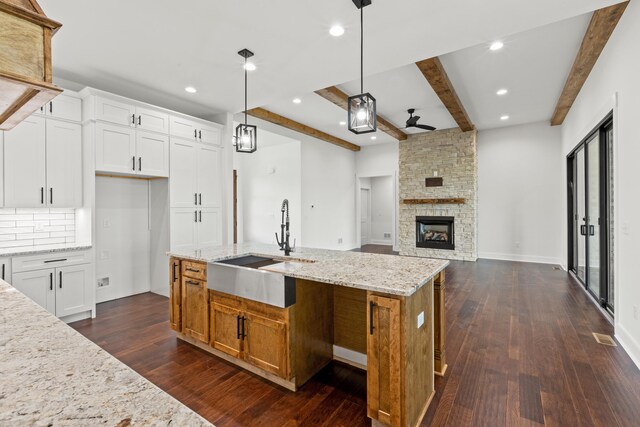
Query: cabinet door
[39, 286]
[24, 164]
[265, 344]
[65, 107]
[175, 293]
[5, 269]
[209, 177]
[115, 149]
[152, 120]
[183, 225]
[209, 135]
[183, 172]
[383, 360]
[226, 329]
[152, 150]
[64, 164]
[195, 309]
[183, 128]
[209, 230]
[115, 112]
[72, 295]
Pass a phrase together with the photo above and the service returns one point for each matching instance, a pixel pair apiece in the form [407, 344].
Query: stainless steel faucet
[283, 241]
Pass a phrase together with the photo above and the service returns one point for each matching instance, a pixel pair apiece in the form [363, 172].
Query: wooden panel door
[265, 344]
[24, 164]
[72, 294]
[64, 164]
[226, 329]
[195, 309]
[209, 177]
[175, 296]
[383, 360]
[115, 149]
[153, 154]
[183, 192]
[39, 286]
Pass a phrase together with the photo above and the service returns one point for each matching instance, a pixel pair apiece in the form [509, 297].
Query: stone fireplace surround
[453, 155]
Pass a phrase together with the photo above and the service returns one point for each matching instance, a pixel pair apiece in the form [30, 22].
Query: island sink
[242, 277]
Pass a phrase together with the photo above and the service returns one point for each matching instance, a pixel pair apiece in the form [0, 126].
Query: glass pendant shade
[246, 138]
[362, 113]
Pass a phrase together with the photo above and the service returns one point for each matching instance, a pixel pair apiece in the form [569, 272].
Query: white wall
[520, 194]
[617, 73]
[122, 237]
[382, 207]
[265, 179]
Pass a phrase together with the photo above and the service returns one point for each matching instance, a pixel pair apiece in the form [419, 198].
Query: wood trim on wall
[434, 72]
[279, 120]
[601, 26]
[339, 98]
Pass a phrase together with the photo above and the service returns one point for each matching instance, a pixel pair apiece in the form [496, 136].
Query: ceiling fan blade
[412, 121]
[425, 127]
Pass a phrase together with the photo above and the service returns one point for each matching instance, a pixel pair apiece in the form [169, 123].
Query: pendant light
[246, 139]
[362, 108]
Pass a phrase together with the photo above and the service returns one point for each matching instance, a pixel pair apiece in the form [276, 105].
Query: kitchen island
[52, 375]
[382, 313]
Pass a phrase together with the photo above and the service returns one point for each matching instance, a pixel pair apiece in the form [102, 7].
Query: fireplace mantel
[433, 201]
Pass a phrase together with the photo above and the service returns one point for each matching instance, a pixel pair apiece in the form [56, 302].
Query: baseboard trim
[629, 344]
[350, 357]
[519, 258]
[381, 242]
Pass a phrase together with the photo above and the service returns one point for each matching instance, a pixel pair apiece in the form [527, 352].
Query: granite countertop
[9, 252]
[390, 274]
[53, 376]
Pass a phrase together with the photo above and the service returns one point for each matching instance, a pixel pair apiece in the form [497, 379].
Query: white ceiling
[152, 49]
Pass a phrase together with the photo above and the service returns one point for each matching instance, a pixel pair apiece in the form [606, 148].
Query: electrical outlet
[38, 227]
[387, 235]
[420, 319]
[339, 240]
[102, 282]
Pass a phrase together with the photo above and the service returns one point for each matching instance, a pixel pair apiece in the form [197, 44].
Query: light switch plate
[420, 319]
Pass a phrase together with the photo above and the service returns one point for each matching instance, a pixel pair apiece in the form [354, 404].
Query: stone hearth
[452, 154]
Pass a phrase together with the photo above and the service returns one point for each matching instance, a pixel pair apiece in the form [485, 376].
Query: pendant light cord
[362, 48]
[245, 90]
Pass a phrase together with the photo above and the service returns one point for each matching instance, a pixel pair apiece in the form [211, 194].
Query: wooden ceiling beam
[340, 99]
[603, 22]
[266, 115]
[434, 72]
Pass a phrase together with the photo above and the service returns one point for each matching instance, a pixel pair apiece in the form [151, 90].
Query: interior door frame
[604, 211]
[395, 213]
[368, 215]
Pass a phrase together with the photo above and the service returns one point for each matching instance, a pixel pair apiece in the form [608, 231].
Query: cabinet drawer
[225, 299]
[195, 270]
[51, 260]
[268, 311]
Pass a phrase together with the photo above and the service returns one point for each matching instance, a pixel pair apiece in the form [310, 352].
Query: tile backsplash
[40, 228]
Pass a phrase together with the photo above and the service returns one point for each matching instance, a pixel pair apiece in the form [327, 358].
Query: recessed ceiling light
[250, 66]
[502, 92]
[505, 117]
[343, 123]
[496, 45]
[374, 137]
[297, 100]
[190, 89]
[336, 31]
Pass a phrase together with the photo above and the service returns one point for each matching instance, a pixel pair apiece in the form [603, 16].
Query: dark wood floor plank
[519, 349]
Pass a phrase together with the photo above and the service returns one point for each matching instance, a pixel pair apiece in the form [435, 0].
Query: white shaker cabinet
[152, 120]
[209, 228]
[195, 228]
[64, 107]
[64, 164]
[194, 130]
[5, 269]
[208, 176]
[115, 149]
[112, 111]
[152, 151]
[38, 285]
[183, 183]
[71, 289]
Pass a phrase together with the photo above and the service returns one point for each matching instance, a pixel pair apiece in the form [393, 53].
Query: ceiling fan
[412, 121]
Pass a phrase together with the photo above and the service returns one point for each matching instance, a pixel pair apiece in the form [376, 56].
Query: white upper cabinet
[63, 106]
[24, 164]
[183, 183]
[64, 164]
[116, 112]
[152, 120]
[209, 185]
[194, 130]
[115, 149]
[152, 151]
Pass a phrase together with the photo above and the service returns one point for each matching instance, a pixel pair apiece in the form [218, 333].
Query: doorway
[590, 194]
[365, 216]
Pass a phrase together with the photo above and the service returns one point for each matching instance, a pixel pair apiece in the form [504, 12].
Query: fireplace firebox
[436, 232]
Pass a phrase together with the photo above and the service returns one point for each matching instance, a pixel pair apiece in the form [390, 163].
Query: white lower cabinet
[55, 282]
[195, 228]
[5, 269]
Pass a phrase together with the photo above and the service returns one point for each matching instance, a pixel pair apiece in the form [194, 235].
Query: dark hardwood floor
[376, 249]
[519, 349]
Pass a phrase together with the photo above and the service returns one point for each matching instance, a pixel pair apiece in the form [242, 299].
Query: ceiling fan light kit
[246, 138]
[361, 110]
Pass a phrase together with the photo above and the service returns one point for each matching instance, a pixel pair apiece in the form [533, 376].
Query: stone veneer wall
[452, 153]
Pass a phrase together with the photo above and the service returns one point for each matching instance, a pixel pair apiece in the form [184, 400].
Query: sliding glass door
[589, 187]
